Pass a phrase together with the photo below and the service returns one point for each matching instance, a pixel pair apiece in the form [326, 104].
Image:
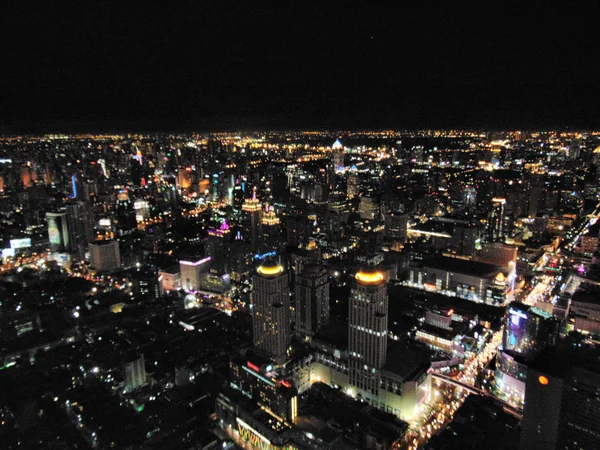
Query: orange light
[449, 313]
[365, 277]
[543, 380]
[265, 270]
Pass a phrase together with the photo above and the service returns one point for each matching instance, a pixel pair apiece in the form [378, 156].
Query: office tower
[527, 332]
[495, 224]
[312, 299]
[135, 374]
[396, 225]
[217, 245]
[367, 337]
[124, 212]
[105, 256]
[271, 231]
[563, 407]
[253, 207]
[237, 196]
[58, 232]
[464, 239]
[469, 196]
[80, 220]
[271, 312]
[191, 273]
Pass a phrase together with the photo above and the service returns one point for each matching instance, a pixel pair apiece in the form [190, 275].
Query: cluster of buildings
[301, 275]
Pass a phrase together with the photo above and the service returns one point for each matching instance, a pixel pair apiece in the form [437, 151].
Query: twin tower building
[367, 321]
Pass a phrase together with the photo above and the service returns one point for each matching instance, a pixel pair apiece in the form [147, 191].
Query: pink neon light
[197, 263]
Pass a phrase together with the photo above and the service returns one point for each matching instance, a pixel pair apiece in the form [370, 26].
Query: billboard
[20, 243]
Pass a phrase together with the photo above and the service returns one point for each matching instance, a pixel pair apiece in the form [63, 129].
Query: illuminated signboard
[20, 243]
[257, 440]
[53, 232]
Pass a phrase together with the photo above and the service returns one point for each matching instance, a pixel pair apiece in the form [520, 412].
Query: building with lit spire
[367, 334]
[254, 209]
[217, 247]
[271, 234]
[271, 312]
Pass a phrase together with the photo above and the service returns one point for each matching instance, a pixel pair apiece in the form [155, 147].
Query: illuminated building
[271, 312]
[312, 299]
[396, 225]
[254, 209]
[527, 332]
[271, 235]
[471, 280]
[217, 245]
[271, 392]
[135, 374]
[80, 220]
[124, 213]
[105, 256]
[367, 338]
[495, 225]
[498, 253]
[562, 408]
[190, 273]
[169, 280]
[58, 232]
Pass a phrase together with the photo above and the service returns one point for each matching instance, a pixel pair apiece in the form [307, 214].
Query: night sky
[221, 65]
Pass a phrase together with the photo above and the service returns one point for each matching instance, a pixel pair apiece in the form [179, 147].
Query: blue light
[258, 256]
[74, 182]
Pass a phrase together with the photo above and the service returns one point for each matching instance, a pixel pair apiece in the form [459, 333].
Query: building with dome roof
[271, 328]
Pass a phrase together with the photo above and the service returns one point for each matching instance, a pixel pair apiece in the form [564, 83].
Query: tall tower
[312, 299]
[271, 312]
[217, 247]
[368, 328]
[253, 207]
[80, 220]
[495, 225]
[271, 236]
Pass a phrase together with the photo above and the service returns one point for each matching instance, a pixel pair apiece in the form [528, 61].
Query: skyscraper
[271, 312]
[527, 332]
[58, 231]
[312, 299]
[367, 337]
[135, 374]
[80, 221]
[253, 207]
[495, 225]
[217, 245]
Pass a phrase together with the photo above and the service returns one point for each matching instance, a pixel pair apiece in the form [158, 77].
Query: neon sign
[258, 256]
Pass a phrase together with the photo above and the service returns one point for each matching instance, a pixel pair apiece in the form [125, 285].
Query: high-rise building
[271, 231]
[271, 312]
[396, 225]
[80, 220]
[312, 299]
[495, 225]
[191, 273]
[105, 256]
[367, 337]
[135, 374]
[58, 231]
[562, 410]
[253, 207]
[527, 332]
[216, 247]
